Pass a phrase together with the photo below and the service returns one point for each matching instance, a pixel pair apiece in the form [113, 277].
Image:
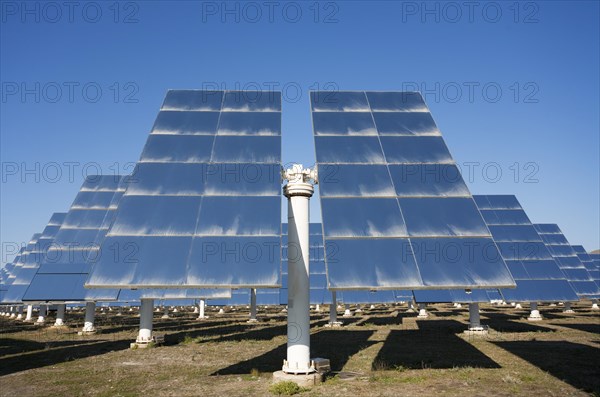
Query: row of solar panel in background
[209, 174]
[319, 293]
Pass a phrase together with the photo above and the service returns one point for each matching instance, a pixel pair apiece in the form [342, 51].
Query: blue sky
[514, 89]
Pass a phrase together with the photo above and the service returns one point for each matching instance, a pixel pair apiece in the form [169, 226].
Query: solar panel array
[203, 206]
[395, 208]
[538, 276]
[592, 268]
[67, 263]
[29, 260]
[567, 260]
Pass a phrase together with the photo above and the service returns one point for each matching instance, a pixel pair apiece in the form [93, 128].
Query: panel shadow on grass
[44, 358]
[431, 347]
[591, 328]
[504, 323]
[336, 345]
[573, 363]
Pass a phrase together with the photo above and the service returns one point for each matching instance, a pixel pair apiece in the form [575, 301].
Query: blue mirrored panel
[373, 217]
[382, 262]
[252, 101]
[366, 297]
[186, 123]
[151, 179]
[247, 149]
[243, 179]
[356, 181]
[405, 123]
[451, 296]
[442, 217]
[76, 246]
[568, 260]
[198, 100]
[423, 180]
[528, 258]
[415, 150]
[234, 261]
[93, 200]
[250, 123]
[210, 168]
[343, 123]
[334, 101]
[348, 150]
[157, 215]
[396, 102]
[540, 291]
[239, 216]
[173, 148]
[459, 261]
[370, 153]
[164, 261]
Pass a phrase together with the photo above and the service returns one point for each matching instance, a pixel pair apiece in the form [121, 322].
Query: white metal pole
[146, 314]
[595, 304]
[60, 315]
[474, 319]
[90, 313]
[347, 312]
[298, 191]
[333, 308]
[29, 313]
[20, 315]
[42, 314]
[202, 309]
[252, 305]
[535, 313]
[422, 311]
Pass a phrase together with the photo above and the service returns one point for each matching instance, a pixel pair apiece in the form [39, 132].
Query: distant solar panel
[65, 267]
[203, 206]
[538, 276]
[30, 259]
[396, 211]
[592, 268]
[567, 260]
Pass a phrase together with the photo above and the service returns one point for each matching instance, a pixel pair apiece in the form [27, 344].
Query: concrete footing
[302, 380]
[334, 324]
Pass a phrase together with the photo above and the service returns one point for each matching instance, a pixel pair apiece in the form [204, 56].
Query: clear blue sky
[542, 56]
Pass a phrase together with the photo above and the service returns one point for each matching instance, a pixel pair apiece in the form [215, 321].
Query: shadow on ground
[505, 323]
[434, 345]
[336, 345]
[43, 358]
[573, 363]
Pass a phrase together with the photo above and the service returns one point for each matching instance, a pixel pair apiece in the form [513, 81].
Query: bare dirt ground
[380, 352]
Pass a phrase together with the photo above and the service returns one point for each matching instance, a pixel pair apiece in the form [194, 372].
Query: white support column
[475, 326]
[518, 306]
[333, 322]
[358, 309]
[567, 308]
[145, 333]
[20, 315]
[29, 313]
[535, 314]
[90, 314]
[298, 190]
[252, 305]
[13, 311]
[165, 311]
[42, 314]
[347, 311]
[411, 308]
[60, 315]
[120, 311]
[318, 308]
[595, 304]
[202, 308]
[422, 311]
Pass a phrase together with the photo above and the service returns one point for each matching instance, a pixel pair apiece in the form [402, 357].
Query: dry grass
[375, 354]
